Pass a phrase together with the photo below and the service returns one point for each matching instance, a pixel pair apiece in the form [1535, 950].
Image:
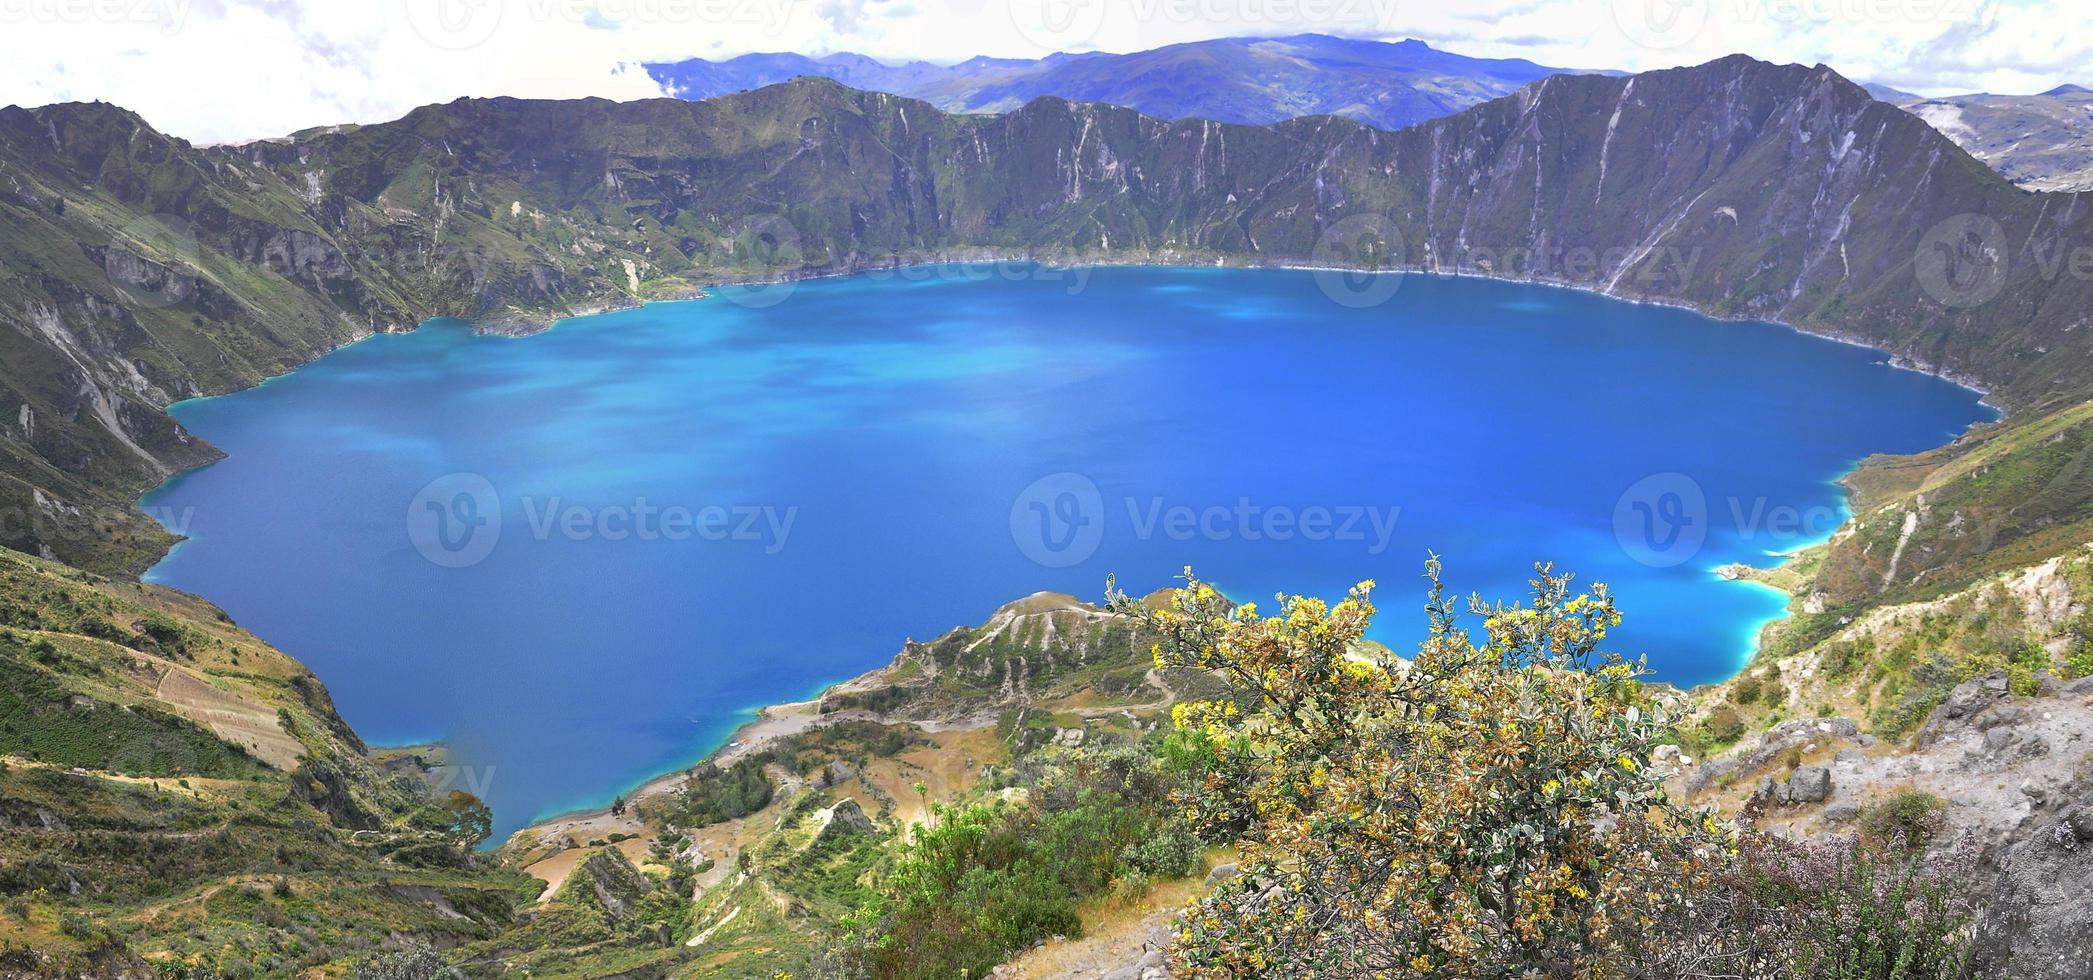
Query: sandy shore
[772, 723]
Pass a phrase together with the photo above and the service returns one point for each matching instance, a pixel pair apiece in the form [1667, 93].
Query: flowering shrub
[1486, 810]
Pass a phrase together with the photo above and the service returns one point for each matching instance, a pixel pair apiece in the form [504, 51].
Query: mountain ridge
[2040, 142]
[1246, 80]
[153, 270]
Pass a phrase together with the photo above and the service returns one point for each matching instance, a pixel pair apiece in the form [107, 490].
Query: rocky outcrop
[1025, 649]
[606, 880]
[2009, 774]
[1789, 736]
[2035, 915]
[844, 819]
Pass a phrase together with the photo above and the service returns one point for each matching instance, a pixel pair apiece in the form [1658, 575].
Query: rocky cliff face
[2008, 775]
[140, 269]
[2041, 142]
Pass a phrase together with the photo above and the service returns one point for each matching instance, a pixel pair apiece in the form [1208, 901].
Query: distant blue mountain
[1891, 95]
[1242, 80]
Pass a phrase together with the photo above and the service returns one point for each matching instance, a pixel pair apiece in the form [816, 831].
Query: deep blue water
[873, 459]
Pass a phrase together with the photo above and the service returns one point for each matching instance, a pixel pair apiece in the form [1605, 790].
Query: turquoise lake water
[581, 557]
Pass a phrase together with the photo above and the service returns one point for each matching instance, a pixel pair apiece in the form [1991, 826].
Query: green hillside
[174, 791]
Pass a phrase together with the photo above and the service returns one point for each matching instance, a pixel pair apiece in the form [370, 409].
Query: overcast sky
[220, 70]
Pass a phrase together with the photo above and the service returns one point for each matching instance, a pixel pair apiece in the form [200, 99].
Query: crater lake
[582, 557]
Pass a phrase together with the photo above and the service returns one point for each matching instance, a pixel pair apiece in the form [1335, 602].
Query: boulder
[2080, 822]
[844, 819]
[2001, 715]
[1973, 695]
[1777, 740]
[1809, 784]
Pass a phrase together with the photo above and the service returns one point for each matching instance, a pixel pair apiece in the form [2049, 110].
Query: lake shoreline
[755, 727]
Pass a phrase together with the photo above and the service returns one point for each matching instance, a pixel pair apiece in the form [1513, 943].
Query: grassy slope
[774, 889]
[140, 809]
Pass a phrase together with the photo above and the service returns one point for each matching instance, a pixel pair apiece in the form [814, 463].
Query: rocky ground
[2012, 772]
[2041, 142]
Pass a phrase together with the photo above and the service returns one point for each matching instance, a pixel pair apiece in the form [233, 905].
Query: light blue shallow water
[581, 557]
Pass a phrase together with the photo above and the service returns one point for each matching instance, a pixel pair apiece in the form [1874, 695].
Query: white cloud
[215, 70]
